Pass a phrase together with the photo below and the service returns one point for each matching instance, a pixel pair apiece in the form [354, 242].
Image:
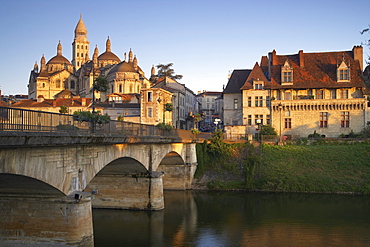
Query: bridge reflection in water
[50, 180]
[201, 218]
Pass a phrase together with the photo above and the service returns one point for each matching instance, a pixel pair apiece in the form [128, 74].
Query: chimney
[301, 58]
[54, 103]
[358, 55]
[83, 102]
[40, 99]
[274, 60]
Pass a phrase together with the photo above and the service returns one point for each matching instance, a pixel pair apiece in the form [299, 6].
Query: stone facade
[302, 93]
[59, 74]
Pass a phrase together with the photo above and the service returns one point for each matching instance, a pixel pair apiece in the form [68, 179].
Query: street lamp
[216, 122]
[259, 122]
[280, 109]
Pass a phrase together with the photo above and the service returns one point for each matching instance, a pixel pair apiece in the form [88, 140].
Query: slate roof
[319, 70]
[237, 80]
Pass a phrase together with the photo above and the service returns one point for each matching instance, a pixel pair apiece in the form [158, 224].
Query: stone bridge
[49, 182]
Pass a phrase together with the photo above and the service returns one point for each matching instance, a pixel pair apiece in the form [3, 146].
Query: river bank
[325, 168]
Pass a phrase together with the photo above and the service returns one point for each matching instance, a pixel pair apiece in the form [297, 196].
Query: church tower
[80, 45]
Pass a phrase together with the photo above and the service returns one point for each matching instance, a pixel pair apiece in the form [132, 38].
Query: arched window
[78, 54]
[120, 88]
[57, 83]
[72, 84]
[78, 47]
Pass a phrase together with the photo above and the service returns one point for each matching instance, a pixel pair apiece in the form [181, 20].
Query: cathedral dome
[123, 67]
[59, 59]
[108, 55]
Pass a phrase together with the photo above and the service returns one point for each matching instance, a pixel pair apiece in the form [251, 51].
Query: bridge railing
[14, 119]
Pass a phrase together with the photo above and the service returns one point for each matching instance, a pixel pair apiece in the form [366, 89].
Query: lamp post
[216, 122]
[259, 122]
[280, 109]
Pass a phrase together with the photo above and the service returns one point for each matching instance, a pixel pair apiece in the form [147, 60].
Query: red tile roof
[256, 74]
[319, 70]
[69, 102]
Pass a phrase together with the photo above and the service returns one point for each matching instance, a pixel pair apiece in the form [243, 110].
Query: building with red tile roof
[302, 93]
[54, 105]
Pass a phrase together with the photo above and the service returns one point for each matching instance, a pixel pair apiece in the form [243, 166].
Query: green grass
[294, 168]
[318, 168]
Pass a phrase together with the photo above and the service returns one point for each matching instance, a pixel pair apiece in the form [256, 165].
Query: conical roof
[80, 29]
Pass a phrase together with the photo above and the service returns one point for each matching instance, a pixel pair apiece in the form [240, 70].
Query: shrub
[66, 127]
[164, 126]
[86, 116]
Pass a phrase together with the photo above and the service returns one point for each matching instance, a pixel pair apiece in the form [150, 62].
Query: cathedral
[60, 78]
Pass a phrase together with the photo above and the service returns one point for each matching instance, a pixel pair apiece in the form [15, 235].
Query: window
[287, 95]
[120, 88]
[249, 101]
[249, 119]
[258, 85]
[287, 76]
[323, 119]
[235, 104]
[258, 117]
[319, 94]
[333, 93]
[343, 74]
[258, 101]
[150, 112]
[150, 98]
[287, 123]
[268, 101]
[72, 84]
[344, 122]
[268, 119]
[78, 54]
[57, 83]
[78, 47]
[344, 94]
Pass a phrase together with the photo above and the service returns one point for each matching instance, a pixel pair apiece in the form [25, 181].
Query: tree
[267, 130]
[101, 84]
[165, 70]
[63, 109]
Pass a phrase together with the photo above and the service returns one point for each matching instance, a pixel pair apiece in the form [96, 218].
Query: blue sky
[203, 39]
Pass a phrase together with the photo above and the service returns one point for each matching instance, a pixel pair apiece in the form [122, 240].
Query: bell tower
[80, 45]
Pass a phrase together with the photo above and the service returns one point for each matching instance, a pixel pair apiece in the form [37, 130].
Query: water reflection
[197, 218]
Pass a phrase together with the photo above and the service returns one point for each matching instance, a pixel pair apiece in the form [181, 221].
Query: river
[204, 218]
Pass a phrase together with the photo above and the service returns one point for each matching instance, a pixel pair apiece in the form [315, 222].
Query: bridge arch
[13, 184]
[125, 183]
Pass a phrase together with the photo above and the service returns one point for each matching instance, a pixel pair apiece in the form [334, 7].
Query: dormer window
[258, 85]
[287, 74]
[343, 73]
